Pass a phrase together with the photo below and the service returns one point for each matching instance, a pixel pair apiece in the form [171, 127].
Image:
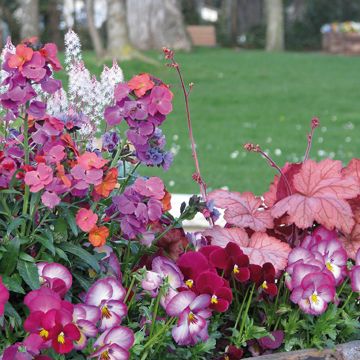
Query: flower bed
[341, 38]
[92, 264]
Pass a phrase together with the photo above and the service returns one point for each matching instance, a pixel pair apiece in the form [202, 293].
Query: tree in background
[118, 43]
[274, 25]
[93, 31]
[29, 25]
[153, 24]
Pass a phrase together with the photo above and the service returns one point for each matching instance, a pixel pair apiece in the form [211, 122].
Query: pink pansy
[108, 295]
[153, 187]
[334, 256]
[85, 317]
[160, 100]
[34, 69]
[90, 160]
[314, 293]
[55, 154]
[4, 296]
[56, 276]
[50, 199]
[114, 344]
[193, 313]
[39, 178]
[152, 282]
[355, 274]
[86, 219]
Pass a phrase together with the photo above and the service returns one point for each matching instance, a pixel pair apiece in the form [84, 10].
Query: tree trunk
[274, 25]
[94, 33]
[30, 18]
[154, 24]
[118, 45]
[52, 16]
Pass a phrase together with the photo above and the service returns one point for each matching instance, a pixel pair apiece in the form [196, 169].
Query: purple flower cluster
[144, 103]
[31, 64]
[315, 269]
[138, 206]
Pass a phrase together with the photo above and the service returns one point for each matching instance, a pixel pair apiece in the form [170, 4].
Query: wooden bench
[202, 35]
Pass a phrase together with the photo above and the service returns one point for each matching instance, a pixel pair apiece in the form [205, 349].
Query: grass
[253, 96]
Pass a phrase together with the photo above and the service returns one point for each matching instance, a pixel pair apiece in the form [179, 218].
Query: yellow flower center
[92, 273]
[314, 298]
[329, 266]
[105, 313]
[264, 285]
[192, 318]
[189, 283]
[105, 355]
[226, 357]
[214, 299]
[61, 338]
[44, 334]
[236, 269]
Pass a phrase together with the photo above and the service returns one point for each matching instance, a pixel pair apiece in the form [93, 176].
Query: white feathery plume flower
[8, 48]
[86, 95]
[57, 103]
[72, 49]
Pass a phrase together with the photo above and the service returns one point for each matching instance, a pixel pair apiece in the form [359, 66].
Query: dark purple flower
[110, 140]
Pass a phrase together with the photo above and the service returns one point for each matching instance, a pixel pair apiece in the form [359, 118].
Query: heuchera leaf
[242, 210]
[260, 247]
[321, 193]
[352, 241]
[353, 169]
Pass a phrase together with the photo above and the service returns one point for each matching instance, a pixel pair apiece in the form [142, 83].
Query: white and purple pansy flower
[314, 293]
[355, 274]
[108, 295]
[193, 312]
[56, 276]
[85, 317]
[114, 344]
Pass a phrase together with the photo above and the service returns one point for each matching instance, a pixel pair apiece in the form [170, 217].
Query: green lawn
[253, 96]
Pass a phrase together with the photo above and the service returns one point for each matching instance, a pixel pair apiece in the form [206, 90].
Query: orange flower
[22, 55]
[166, 201]
[61, 175]
[98, 236]
[141, 84]
[107, 186]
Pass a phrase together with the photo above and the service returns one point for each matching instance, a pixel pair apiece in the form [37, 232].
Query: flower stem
[347, 300]
[241, 309]
[129, 289]
[156, 309]
[245, 314]
[27, 161]
[197, 176]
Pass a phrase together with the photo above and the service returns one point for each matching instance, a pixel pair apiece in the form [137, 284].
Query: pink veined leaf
[321, 193]
[260, 248]
[353, 169]
[243, 210]
[352, 241]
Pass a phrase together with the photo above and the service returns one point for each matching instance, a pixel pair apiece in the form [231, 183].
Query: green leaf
[46, 243]
[26, 257]
[72, 223]
[14, 225]
[28, 271]
[13, 284]
[62, 255]
[11, 312]
[84, 283]
[82, 254]
[12, 253]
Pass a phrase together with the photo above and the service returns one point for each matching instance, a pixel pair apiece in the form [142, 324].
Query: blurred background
[261, 68]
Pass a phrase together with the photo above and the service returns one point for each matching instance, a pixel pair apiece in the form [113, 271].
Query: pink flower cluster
[31, 64]
[315, 269]
[143, 102]
[4, 297]
[56, 323]
[137, 207]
